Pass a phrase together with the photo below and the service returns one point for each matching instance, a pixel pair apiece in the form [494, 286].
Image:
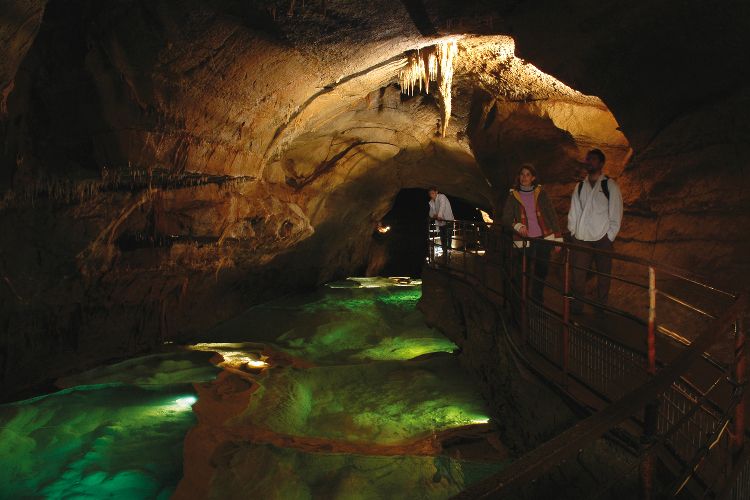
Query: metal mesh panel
[605, 366]
[741, 488]
[596, 361]
[693, 433]
[545, 333]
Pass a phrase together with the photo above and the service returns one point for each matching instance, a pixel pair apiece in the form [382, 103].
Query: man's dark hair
[598, 153]
[433, 188]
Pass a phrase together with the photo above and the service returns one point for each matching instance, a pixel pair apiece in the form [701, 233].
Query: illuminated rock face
[166, 165]
[674, 76]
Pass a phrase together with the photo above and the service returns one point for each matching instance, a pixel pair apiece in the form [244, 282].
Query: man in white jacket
[594, 221]
[441, 213]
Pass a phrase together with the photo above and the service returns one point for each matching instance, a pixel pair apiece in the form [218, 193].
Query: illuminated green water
[341, 325]
[118, 431]
[283, 474]
[381, 403]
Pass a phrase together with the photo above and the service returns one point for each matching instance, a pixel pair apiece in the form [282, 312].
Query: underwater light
[256, 363]
[384, 229]
[185, 403]
[236, 355]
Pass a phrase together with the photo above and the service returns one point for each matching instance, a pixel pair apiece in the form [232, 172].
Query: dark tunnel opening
[401, 251]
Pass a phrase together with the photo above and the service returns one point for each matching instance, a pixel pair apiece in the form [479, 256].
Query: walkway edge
[566, 445]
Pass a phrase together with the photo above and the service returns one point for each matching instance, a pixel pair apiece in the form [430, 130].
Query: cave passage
[401, 251]
[358, 398]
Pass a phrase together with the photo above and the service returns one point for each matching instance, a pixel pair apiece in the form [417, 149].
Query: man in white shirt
[594, 221]
[441, 213]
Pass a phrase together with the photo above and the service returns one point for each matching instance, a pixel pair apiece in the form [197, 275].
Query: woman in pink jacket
[530, 214]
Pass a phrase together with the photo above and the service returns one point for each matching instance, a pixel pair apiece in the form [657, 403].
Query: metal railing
[696, 425]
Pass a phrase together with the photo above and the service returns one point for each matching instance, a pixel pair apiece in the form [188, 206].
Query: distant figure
[441, 213]
[594, 221]
[529, 212]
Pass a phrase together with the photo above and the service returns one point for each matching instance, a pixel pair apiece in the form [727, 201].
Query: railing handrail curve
[673, 271]
[567, 444]
[675, 389]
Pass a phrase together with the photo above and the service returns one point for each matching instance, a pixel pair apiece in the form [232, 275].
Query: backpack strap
[605, 187]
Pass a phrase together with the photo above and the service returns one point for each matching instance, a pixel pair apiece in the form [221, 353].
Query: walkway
[677, 363]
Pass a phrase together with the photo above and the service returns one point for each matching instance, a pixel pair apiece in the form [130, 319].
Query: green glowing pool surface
[95, 441]
[379, 376]
[282, 474]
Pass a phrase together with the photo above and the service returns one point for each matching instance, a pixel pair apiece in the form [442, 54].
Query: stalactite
[433, 63]
[433, 66]
[446, 53]
[413, 74]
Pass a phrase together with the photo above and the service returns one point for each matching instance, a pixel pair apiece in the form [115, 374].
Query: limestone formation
[167, 164]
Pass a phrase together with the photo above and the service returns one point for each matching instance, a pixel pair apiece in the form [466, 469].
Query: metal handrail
[505, 233]
[698, 401]
[588, 430]
[670, 270]
[686, 304]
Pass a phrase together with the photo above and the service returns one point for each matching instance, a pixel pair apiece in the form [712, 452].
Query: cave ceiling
[182, 159]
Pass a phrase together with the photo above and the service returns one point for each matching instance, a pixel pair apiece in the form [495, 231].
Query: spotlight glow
[240, 356]
[185, 403]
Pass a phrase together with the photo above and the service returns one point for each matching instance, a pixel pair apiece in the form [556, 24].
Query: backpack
[605, 187]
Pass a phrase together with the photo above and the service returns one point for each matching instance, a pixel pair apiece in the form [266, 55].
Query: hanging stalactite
[431, 64]
[446, 53]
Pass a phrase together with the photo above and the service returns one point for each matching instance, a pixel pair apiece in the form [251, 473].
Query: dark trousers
[582, 263]
[446, 232]
[537, 265]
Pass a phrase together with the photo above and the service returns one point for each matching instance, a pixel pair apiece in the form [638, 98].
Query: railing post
[431, 244]
[739, 367]
[463, 247]
[510, 266]
[524, 293]
[651, 340]
[651, 411]
[566, 318]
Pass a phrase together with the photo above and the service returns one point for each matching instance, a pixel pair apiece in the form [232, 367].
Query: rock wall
[527, 412]
[673, 75]
[165, 165]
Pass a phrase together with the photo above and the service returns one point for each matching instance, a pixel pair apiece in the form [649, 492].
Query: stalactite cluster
[434, 63]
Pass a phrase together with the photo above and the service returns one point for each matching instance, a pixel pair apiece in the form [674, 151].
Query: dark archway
[401, 251]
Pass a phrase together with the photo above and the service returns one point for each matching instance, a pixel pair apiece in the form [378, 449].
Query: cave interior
[171, 170]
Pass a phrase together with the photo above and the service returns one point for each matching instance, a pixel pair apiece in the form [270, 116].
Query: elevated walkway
[664, 360]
